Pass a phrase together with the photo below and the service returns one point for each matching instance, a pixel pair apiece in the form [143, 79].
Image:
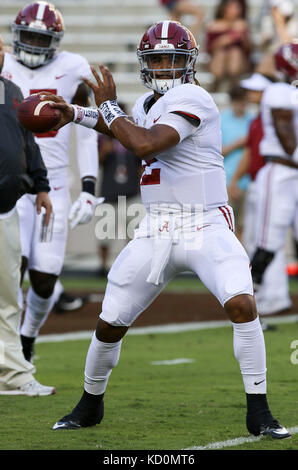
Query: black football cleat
[68, 303]
[81, 417]
[263, 424]
[267, 327]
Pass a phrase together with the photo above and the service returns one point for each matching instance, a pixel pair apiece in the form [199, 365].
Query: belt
[281, 161]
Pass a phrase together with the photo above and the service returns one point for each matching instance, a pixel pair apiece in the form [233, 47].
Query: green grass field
[155, 406]
[179, 284]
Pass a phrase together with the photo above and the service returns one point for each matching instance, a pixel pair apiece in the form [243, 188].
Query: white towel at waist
[165, 227]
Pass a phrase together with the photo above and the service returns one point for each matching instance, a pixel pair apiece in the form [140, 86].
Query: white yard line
[238, 441]
[170, 328]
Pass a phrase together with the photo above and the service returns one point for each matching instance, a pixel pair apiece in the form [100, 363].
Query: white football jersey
[61, 77]
[191, 173]
[277, 96]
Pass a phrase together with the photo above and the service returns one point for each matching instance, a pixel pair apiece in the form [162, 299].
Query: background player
[36, 65]
[277, 181]
[273, 295]
[188, 226]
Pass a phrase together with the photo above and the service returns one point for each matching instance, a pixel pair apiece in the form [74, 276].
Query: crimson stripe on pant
[226, 217]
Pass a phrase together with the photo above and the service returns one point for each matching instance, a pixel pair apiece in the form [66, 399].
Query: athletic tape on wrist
[110, 110]
[86, 117]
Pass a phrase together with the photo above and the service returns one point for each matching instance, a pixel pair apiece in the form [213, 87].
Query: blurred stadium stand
[109, 31]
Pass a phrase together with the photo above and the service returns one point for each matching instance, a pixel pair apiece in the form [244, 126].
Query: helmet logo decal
[164, 46]
[37, 24]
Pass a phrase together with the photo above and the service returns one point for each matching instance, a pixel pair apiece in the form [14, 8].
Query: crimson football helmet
[174, 40]
[286, 60]
[37, 32]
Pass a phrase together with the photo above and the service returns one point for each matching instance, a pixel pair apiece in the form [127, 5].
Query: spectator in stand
[120, 177]
[179, 8]
[228, 42]
[273, 295]
[235, 122]
[279, 25]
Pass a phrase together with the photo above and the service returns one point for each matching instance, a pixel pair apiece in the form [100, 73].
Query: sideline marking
[236, 442]
[170, 328]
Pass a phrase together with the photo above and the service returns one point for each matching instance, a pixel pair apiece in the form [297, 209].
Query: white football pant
[45, 257]
[273, 294]
[213, 253]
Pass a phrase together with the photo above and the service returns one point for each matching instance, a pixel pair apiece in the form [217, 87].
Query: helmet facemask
[174, 76]
[35, 55]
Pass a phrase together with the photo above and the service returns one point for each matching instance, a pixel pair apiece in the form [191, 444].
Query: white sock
[58, 289]
[36, 313]
[249, 350]
[101, 359]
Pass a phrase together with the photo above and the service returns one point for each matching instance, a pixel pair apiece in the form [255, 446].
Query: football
[36, 115]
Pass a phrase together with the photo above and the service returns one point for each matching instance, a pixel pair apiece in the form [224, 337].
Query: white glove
[82, 209]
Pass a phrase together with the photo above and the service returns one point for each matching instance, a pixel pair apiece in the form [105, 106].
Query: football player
[277, 181]
[273, 295]
[189, 224]
[34, 65]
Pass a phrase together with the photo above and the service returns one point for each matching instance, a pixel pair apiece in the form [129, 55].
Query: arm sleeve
[87, 151]
[188, 107]
[84, 69]
[78, 68]
[135, 117]
[181, 125]
[136, 113]
[282, 98]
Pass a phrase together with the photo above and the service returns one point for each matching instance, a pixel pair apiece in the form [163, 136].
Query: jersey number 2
[154, 177]
[50, 133]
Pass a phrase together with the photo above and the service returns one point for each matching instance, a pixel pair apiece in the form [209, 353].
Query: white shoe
[275, 306]
[31, 389]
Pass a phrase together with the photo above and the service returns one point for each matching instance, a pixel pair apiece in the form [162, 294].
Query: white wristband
[87, 117]
[110, 110]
